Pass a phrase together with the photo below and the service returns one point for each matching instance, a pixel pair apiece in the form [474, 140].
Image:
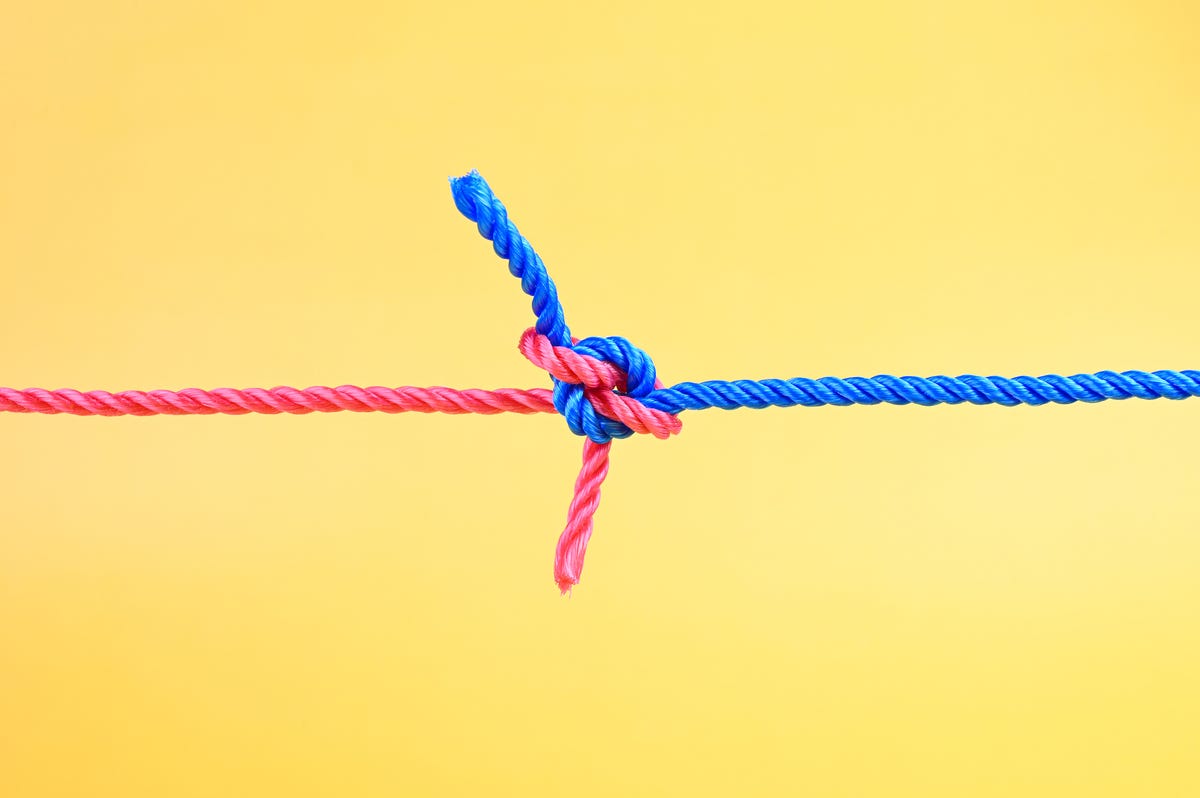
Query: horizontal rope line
[721, 394]
[758, 394]
[317, 399]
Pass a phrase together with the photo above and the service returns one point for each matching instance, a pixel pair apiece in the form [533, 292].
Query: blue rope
[757, 394]
[476, 200]
[478, 203]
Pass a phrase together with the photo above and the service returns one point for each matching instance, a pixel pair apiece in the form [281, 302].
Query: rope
[927, 391]
[234, 402]
[604, 387]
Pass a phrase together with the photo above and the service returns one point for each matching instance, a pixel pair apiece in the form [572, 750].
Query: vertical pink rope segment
[572, 544]
[603, 386]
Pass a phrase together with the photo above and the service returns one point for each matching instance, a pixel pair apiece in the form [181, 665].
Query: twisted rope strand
[564, 363]
[928, 391]
[318, 399]
[605, 387]
[572, 544]
[475, 199]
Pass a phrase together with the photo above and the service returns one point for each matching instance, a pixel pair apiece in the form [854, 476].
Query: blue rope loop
[475, 199]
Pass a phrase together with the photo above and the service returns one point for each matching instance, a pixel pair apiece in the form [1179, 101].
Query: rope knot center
[599, 384]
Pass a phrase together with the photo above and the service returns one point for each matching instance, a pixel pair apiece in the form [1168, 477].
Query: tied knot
[599, 384]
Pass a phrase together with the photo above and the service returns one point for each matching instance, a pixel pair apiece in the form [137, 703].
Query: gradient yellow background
[868, 601]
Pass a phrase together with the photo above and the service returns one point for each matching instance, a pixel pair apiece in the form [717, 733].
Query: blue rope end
[467, 191]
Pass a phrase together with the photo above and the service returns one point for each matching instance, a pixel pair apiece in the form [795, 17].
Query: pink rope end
[572, 544]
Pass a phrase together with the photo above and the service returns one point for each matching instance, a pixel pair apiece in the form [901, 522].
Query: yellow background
[868, 601]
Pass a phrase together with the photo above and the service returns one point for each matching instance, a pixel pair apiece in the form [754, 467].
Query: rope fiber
[604, 387]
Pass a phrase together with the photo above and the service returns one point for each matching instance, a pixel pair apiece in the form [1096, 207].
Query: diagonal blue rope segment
[976, 390]
[476, 201]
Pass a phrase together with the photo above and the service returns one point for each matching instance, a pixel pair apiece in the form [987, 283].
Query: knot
[598, 386]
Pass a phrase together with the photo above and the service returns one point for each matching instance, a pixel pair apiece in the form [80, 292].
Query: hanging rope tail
[605, 388]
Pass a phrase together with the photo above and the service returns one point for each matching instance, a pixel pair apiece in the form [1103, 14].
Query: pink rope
[318, 399]
[572, 543]
[603, 385]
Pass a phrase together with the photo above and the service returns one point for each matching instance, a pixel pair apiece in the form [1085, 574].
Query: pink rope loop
[566, 365]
